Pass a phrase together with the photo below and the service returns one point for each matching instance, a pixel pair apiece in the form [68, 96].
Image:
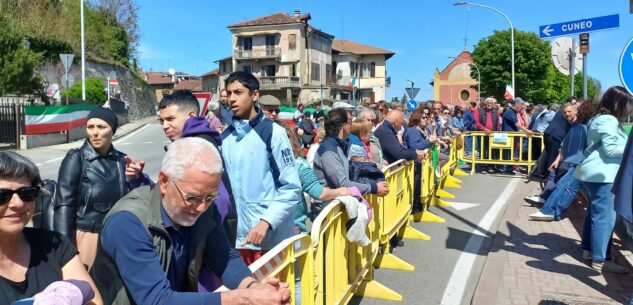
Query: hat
[307, 113]
[518, 101]
[356, 151]
[68, 292]
[268, 100]
[106, 115]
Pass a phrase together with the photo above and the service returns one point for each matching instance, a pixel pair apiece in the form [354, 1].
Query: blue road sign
[411, 105]
[579, 26]
[626, 66]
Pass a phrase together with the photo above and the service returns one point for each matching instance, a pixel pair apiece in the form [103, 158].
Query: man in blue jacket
[387, 135]
[260, 165]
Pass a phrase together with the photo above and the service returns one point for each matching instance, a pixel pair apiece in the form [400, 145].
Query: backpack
[45, 206]
[264, 130]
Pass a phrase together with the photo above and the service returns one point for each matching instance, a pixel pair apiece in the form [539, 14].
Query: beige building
[364, 66]
[292, 59]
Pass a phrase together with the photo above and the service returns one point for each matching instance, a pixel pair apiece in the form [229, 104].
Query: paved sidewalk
[540, 263]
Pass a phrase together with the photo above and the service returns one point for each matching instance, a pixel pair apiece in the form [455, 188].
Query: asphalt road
[147, 143]
[448, 267]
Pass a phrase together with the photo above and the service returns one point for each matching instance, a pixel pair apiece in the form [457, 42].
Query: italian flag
[47, 119]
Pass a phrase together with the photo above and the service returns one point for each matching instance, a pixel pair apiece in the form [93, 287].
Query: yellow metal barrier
[502, 148]
[291, 261]
[343, 269]
[331, 269]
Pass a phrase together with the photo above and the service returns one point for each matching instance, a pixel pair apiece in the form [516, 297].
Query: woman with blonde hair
[360, 139]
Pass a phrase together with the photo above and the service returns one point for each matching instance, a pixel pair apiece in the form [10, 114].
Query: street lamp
[83, 52]
[511, 32]
[478, 75]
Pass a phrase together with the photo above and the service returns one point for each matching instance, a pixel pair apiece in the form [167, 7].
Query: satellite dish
[171, 71]
[560, 55]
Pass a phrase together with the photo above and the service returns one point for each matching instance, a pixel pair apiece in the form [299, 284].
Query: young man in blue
[260, 164]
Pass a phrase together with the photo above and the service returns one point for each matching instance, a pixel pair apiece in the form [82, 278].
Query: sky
[189, 35]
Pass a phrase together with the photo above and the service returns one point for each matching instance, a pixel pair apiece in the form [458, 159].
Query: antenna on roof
[467, 25]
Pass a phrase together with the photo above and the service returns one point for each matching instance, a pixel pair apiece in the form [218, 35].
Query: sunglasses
[27, 194]
[445, 113]
[191, 199]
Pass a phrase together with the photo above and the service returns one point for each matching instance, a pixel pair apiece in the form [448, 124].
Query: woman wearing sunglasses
[91, 180]
[31, 258]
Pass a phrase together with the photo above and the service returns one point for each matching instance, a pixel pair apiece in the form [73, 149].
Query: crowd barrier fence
[503, 148]
[330, 269]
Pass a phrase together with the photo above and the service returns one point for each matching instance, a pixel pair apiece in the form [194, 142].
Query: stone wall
[134, 90]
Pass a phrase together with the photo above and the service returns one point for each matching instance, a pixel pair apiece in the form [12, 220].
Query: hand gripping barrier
[503, 148]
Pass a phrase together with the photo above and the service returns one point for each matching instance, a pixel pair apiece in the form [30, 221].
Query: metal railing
[258, 52]
[278, 82]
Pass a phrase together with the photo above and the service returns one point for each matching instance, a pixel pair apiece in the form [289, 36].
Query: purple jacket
[199, 126]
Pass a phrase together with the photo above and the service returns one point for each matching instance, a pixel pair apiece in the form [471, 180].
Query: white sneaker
[534, 200]
[608, 266]
[538, 216]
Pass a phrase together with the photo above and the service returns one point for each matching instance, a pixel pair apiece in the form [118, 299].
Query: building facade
[360, 71]
[454, 84]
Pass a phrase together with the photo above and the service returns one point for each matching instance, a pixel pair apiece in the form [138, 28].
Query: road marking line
[460, 206]
[148, 142]
[53, 160]
[131, 134]
[454, 292]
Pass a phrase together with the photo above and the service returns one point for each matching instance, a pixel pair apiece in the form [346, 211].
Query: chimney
[297, 13]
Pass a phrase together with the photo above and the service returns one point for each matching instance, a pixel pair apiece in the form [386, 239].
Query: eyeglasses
[27, 194]
[445, 113]
[382, 109]
[272, 109]
[191, 199]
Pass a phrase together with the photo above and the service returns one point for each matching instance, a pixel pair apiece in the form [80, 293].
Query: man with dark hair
[331, 164]
[174, 109]
[226, 115]
[260, 165]
[553, 137]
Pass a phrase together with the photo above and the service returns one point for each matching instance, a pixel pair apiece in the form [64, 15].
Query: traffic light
[584, 43]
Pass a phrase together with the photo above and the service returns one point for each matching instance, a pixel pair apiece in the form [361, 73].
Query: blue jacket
[469, 120]
[392, 149]
[256, 197]
[623, 184]
[413, 139]
[602, 165]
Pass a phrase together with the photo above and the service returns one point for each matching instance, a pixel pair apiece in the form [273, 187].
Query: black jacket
[88, 185]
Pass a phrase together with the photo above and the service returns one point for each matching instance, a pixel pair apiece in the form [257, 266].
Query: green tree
[17, 63]
[95, 91]
[536, 78]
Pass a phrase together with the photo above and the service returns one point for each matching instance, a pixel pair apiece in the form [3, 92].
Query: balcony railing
[256, 53]
[278, 82]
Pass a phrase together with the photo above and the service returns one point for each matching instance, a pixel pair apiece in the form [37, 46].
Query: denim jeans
[553, 178]
[562, 196]
[600, 220]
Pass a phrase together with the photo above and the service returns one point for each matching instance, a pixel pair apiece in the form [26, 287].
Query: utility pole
[83, 54]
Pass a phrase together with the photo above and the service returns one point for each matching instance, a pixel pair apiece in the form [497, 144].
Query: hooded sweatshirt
[199, 126]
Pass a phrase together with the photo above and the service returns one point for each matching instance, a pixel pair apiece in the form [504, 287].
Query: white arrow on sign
[460, 206]
[548, 31]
